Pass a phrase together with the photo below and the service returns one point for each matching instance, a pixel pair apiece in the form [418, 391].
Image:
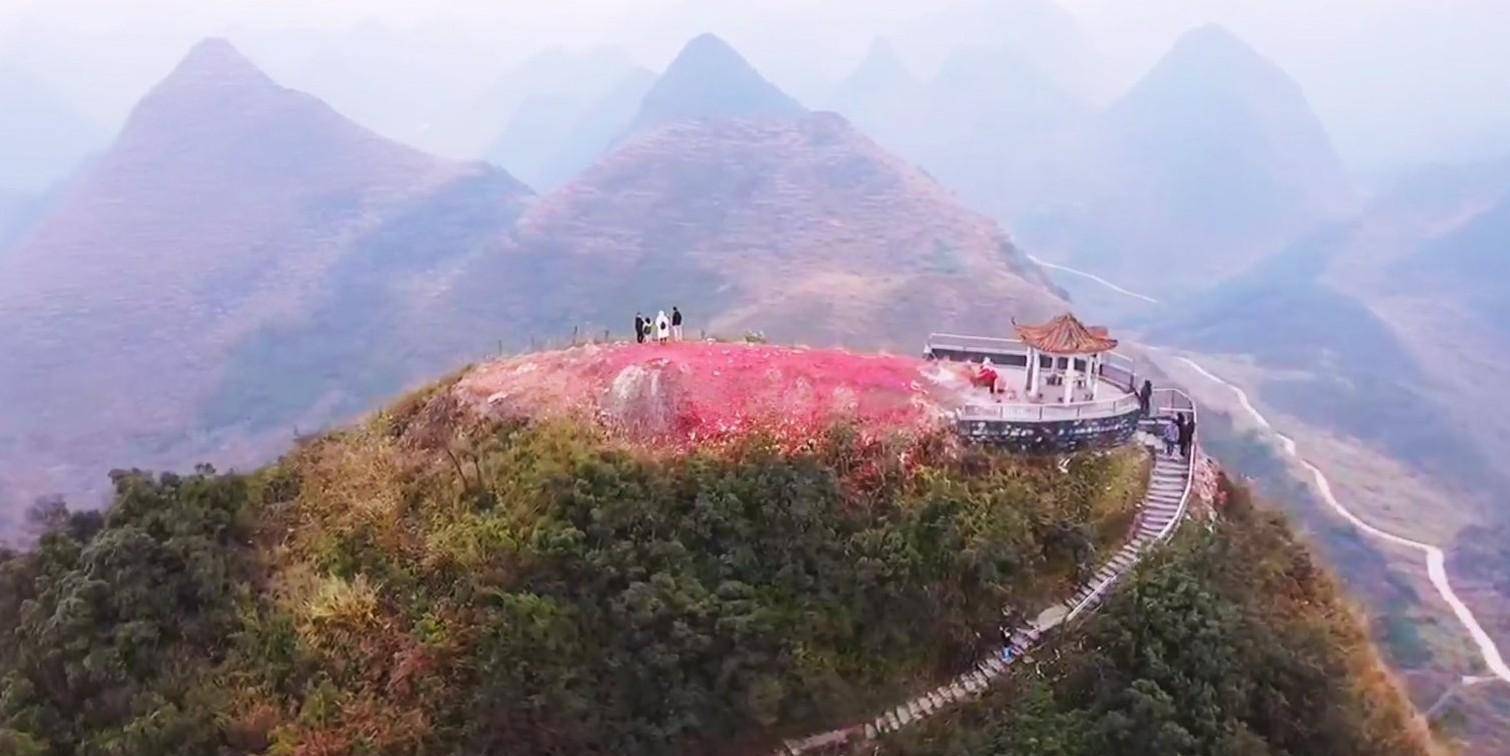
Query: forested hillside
[1233, 641]
[431, 581]
[407, 585]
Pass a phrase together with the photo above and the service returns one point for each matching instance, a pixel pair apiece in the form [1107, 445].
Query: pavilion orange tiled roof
[1066, 335]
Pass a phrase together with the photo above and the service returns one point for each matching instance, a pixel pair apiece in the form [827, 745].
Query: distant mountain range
[238, 255]
[244, 263]
[1211, 161]
[979, 124]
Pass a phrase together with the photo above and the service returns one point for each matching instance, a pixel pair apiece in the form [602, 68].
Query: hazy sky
[1394, 80]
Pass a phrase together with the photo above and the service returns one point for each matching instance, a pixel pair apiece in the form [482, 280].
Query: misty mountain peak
[709, 79]
[708, 47]
[1211, 56]
[1229, 141]
[214, 61]
[882, 64]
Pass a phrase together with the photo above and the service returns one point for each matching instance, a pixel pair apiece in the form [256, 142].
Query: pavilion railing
[1049, 411]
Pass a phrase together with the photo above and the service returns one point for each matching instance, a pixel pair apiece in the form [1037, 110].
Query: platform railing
[980, 343]
[1049, 411]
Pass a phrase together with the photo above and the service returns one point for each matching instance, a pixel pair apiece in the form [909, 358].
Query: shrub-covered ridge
[531, 589]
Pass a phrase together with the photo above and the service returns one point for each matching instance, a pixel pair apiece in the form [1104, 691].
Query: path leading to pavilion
[1093, 277]
[1163, 507]
[1436, 560]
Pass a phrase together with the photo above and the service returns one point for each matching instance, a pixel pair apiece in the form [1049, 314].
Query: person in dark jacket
[1187, 434]
[639, 328]
[1145, 397]
[676, 324]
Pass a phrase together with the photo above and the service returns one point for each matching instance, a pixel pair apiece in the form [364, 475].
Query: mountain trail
[1093, 277]
[1436, 560]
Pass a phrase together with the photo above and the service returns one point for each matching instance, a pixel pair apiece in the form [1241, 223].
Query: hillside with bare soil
[237, 239]
[802, 229]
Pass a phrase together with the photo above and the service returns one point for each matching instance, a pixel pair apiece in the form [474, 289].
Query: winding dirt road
[1436, 560]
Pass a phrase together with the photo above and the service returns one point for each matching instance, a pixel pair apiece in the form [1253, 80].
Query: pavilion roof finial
[1066, 335]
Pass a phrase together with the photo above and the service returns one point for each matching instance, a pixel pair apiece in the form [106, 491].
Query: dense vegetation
[412, 586]
[1232, 642]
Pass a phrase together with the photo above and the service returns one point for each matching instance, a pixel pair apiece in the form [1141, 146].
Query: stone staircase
[1163, 507]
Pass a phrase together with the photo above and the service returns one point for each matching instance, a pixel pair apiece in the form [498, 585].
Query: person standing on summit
[676, 323]
[662, 327]
[639, 328]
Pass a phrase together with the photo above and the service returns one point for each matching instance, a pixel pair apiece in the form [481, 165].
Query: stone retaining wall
[1056, 437]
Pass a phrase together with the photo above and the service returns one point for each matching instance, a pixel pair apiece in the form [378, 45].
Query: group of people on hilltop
[660, 328]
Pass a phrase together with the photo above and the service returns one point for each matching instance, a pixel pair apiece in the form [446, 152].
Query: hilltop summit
[690, 394]
[709, 79]
[559, 588]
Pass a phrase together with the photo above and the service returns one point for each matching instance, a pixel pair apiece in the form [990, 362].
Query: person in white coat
[662, 327]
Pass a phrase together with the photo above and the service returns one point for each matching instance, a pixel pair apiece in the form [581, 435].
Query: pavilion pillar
[1069, 379]
[1095, 377]
[1032, 371]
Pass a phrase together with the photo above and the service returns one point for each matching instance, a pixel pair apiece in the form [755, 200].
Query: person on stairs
[1187, 434]
[1171, 438]
[676, 323]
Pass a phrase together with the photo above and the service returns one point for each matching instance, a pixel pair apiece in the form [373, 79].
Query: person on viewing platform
[639, 328]
[1145, 397]
[987, 376]
[1171, 437]
[676, 323]
[662, 327]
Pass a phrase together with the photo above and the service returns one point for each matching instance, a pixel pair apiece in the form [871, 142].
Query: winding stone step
[1162, 505]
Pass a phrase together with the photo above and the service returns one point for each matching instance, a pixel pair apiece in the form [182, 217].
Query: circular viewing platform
[1036, 401]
